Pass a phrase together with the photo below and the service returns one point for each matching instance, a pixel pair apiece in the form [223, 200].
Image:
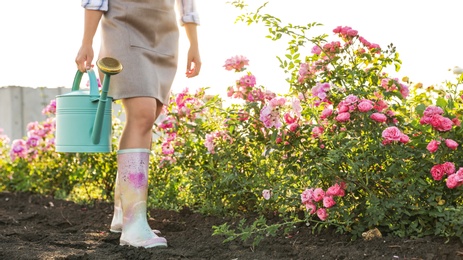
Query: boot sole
[156, 244]
[155, 231]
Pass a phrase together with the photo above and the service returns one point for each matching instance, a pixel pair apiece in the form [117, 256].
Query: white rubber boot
[132, 181]
[116, 223]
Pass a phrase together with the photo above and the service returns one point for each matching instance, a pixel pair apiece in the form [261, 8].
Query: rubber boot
[132, 181]
[116, 223]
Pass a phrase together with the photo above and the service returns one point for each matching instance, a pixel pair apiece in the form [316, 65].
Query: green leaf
[441, 102]
[420, 109]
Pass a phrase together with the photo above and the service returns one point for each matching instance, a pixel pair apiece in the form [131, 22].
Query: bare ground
[40, 227]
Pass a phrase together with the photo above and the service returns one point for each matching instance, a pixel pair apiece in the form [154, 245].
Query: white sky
[38, 43]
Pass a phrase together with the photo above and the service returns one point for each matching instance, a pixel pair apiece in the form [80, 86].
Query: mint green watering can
[84, 117]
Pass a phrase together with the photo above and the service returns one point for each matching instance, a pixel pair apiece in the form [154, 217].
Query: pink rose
[454, 180]
[460, 172]
[318, 194]
[375, 46]
[451, 144]
[437, 172]
[432, 146]
[322, 214]
[342, 107]
[311, 207]
[343, 117]
[365, 106]
[378, 117]
[293, 127]
[392, 133]
[326, 113]
[289, 119]
[404, 90]
[425, 120]
[448, 167]
[317, 131]
[435, 120]
[316, 50]
[307, 195]
[352, 32]
[404, 139]
[433, 110]
[364, 41]
[351, 99]
[444, 125]
[380, 105]
[456, 121]
[328, 202]
[236, 63]
[334, 190]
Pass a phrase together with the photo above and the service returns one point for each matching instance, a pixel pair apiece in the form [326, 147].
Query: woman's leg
[144, 108]
[141, 113]
[132, 177]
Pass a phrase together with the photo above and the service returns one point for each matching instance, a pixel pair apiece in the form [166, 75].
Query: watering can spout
[108, 66]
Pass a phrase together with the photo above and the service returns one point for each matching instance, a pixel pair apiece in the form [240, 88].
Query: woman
[143, 36]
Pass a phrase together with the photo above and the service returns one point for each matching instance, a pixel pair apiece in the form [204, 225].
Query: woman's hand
[193, 63]
[84, 58]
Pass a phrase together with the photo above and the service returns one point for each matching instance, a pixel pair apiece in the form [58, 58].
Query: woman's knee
[143, 120]
[140, 113]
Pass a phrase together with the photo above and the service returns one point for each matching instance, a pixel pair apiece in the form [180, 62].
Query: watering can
[84, 117]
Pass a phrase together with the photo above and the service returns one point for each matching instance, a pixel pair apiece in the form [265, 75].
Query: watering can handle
[93, 82]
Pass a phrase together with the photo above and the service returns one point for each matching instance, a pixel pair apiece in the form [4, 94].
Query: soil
[41, 227]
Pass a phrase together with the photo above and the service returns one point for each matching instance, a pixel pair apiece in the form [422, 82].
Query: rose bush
[390, 143]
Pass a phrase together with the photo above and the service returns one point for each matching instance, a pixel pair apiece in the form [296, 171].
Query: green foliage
[31, 164]
[387, 186]
[346, 128]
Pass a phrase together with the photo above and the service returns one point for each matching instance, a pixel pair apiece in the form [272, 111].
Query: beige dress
[143, 36]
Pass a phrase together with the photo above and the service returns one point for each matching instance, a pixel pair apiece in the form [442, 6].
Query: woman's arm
[194, 59]
[189, 19]
[85, 55]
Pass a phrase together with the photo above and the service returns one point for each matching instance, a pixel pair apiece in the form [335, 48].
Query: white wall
[22, 105]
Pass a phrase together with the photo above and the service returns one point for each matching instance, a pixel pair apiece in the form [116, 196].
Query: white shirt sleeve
[100, 5]
[187, 11]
